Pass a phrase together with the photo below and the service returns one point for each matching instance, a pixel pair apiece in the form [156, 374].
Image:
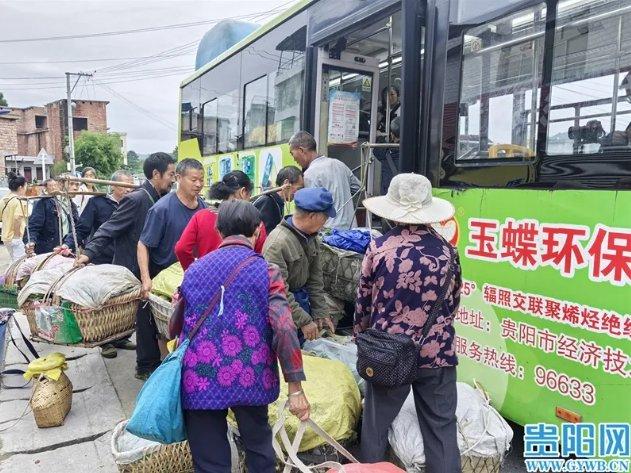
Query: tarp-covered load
[341, 270]
[483, 435]
[93, 304]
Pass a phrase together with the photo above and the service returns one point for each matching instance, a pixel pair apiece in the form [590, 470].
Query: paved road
[104, 394]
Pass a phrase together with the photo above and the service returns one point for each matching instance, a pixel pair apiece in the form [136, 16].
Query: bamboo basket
[51, 401]
[170, 458]
[164, 458]
[9, 290]
[162, 311]
[110, 322]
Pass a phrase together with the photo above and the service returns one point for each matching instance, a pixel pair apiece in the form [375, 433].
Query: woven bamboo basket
[165, 458]
[9, 290]
[162, 311]
[117, 317]
[170, 458]
[51, 401]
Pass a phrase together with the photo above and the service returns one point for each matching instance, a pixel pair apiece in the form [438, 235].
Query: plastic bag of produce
[57, 324]
[166, 283]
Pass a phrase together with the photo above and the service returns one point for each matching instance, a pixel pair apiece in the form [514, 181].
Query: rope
[73, 228]
[27, 409]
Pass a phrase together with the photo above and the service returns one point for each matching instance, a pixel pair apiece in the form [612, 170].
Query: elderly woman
[231, 362]
[405, 274]
[200, 236]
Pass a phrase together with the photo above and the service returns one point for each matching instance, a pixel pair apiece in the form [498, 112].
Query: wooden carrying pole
[103, 182]
[269, 191]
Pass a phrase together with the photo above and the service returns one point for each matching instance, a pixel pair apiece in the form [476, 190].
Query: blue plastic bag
[351, 240]
[158, 414]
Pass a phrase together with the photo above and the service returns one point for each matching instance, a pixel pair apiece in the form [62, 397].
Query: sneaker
[125, 344]
[108, 351]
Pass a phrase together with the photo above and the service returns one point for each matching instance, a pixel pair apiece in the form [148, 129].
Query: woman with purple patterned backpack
[232, 360]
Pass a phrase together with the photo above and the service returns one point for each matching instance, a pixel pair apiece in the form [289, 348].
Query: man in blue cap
[294, 247]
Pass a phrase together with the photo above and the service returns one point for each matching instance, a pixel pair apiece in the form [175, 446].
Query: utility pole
[69, 91]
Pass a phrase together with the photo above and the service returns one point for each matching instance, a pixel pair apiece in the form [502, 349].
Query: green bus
[519, 113]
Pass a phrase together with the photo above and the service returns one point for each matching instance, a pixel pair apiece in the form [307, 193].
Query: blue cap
[315, 199]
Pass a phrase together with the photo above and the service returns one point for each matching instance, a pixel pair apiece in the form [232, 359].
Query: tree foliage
[3, 101]
[59, 168]
[100, 151]
[134, 163]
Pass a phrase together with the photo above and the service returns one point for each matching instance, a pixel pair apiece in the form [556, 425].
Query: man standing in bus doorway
[332, 174]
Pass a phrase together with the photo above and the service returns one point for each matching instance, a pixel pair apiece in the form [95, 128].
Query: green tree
[59, 168]
[100, 151]
[133, 161]
[3, 101]
[174, 153]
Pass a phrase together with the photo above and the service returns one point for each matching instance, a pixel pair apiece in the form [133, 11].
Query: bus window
[209, 127]
[189, 110]
[285, 87]
[590, 107]
[255, 112]
[227, 121]
[499, 91]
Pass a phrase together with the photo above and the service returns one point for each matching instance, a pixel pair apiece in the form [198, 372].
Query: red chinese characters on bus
[529, 244]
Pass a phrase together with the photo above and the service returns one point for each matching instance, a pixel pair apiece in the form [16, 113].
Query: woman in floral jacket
[232, 361]
[402, 276]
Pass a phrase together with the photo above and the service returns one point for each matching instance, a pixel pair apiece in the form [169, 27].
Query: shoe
[143, 375]
[125, 344]
[108, 351]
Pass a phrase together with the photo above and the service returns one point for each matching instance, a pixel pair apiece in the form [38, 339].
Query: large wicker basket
[51, 401]
[109, 322]
[170, 458]
[9, 289]
[161, 458]
[162, 311]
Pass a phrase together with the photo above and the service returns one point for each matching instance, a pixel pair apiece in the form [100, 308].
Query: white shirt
[339, 180]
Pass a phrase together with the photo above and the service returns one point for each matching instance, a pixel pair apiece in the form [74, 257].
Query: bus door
[346, 108]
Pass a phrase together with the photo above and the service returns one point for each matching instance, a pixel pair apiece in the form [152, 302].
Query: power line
[142, 110]
[136, 30]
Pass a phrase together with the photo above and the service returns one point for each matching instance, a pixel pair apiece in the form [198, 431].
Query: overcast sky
[32, 73]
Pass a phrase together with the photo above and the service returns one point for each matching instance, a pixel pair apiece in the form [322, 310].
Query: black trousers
[147, 349]
[435, 398]
[207, 432]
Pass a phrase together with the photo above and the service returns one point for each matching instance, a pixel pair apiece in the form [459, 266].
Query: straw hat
[409, 200]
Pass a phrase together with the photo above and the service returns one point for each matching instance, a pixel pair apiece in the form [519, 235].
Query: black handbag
[390, 360]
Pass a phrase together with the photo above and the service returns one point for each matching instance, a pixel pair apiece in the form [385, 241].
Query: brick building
[8, 138]
[36, 128]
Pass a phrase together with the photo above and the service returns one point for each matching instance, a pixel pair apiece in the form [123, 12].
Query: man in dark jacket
[123, 229]
[97, 211]
[48, 214]
[272, 206]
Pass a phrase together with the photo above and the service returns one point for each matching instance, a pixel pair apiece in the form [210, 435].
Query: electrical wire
[137, 30]
[140, 109]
